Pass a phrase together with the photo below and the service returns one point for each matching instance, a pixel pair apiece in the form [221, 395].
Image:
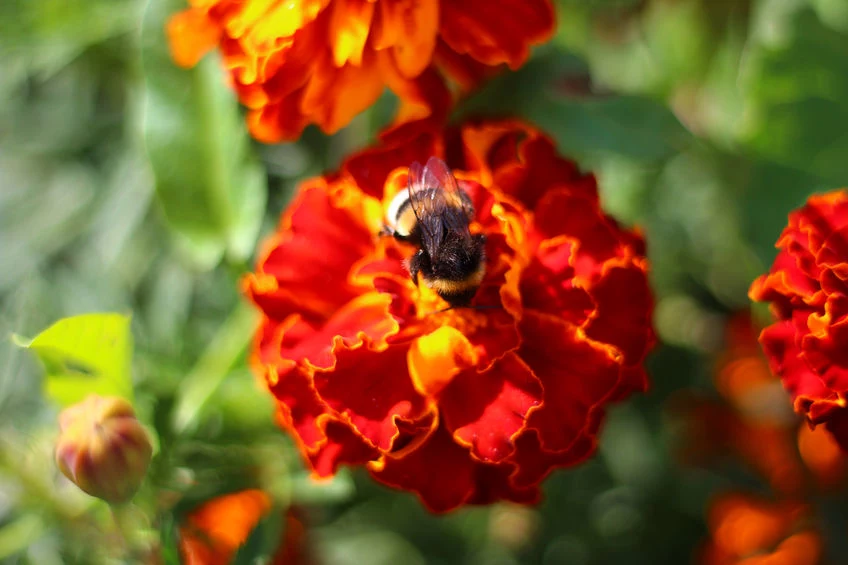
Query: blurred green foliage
[127, 184]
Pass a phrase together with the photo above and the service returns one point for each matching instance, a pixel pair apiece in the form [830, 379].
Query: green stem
[213, 366]
[133, 526]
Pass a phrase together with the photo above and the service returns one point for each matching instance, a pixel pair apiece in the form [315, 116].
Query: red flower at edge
[808, 290]
[467, 406]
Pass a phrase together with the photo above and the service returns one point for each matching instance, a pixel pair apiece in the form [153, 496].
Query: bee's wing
[439, 204]
[437, 173]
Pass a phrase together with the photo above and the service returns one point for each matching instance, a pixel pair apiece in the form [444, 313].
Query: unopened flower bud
[103, 448]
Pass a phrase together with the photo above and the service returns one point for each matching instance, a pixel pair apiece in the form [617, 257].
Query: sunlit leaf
[210, 187]
[85, 354]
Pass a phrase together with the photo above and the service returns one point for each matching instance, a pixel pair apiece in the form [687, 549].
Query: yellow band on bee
[445, 286]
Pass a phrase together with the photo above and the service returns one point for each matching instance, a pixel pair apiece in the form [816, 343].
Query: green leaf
[772, 191]
[49, 34]
[209, 184]
[796, 84]
[553, 90]
[85, 354]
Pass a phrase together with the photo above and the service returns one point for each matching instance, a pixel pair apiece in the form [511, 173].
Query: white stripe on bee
[397, 208]
[394, 207]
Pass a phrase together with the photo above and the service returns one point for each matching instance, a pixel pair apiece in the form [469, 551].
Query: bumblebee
[434, 214]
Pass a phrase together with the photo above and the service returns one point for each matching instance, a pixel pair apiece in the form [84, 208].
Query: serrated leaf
[85, 354]
[209, 185]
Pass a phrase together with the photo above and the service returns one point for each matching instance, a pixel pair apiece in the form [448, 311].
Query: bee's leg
[386, 230]
[416, 263]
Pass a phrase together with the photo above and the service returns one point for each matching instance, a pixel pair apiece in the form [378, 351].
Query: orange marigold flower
[747, 530]
[214, 531]
[823, 456]
[808, 345]
[467, 405]
[753, 421]
[323, 61]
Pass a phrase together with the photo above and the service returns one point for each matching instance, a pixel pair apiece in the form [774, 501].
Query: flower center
[435, 312]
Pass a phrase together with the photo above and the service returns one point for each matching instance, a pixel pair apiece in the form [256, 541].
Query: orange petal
[804, 548]
[191, 34]
[421, 97]
[743, 525]
[822, 454]
[349, 26]
[420, 23]
[435, 359]
[335, 95]
[214, 531]
[266, 22]
[410, 29]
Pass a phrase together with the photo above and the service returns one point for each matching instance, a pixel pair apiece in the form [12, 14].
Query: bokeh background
[706, 122]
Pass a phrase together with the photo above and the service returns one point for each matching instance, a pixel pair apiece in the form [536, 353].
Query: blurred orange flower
[467, 405]
[808, 293]
[214, 531]
[299, 62]
[747, 530]
[755, 423]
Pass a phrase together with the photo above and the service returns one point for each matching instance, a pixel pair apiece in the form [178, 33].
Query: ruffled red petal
[483, 29]
[371, 390]
[576, 374]
[326, 231]
[533, 462]
[487, 410]
[448, 484]
[624, 305]
[547, 285]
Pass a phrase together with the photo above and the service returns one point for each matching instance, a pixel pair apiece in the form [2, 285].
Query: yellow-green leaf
[85, 354]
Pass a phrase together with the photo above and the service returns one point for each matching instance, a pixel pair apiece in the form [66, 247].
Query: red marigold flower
[467, 405]
[747, 530]
[323, 61]
[808, 345]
